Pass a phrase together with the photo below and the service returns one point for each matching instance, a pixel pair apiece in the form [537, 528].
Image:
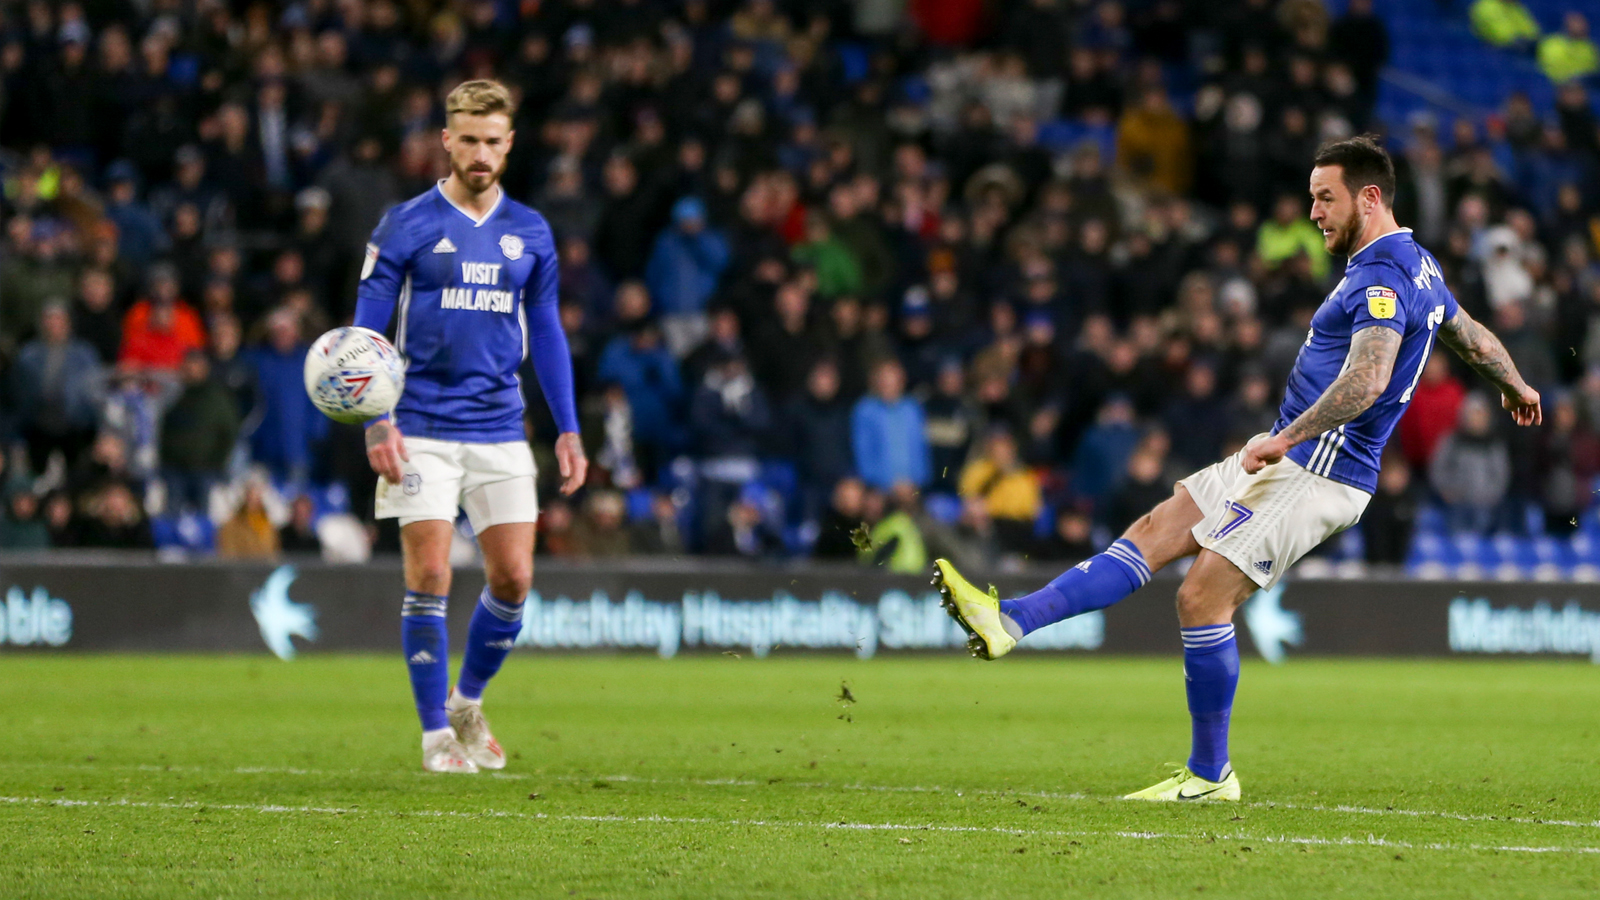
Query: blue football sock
[1095, 583]
[426, 645]
[1211, 672]
[494, 629]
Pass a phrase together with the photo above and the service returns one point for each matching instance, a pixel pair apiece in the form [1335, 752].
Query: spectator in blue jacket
[886, 432]
[1102, 457]
[140, 236]
[290, 425]
[56, 386]
[682, 274]
[649, 376]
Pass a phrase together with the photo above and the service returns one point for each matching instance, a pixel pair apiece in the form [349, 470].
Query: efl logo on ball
[354, 374]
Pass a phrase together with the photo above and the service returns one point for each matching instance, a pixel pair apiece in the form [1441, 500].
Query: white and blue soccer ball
[354, 374]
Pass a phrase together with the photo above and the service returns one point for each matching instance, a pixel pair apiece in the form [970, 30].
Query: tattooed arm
[1480, 349]
[386, 450]
[1366, 374]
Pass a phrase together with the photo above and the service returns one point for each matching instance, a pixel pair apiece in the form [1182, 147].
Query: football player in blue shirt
[1250, 517]
[467, 276]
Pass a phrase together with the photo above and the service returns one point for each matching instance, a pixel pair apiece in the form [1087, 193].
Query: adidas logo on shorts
[421, 658]
[1264, 567]
[506, 644]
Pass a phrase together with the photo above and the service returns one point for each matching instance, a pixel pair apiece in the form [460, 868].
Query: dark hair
[1364, 162]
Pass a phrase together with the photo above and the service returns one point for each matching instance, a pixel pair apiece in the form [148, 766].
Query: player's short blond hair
[480, 98]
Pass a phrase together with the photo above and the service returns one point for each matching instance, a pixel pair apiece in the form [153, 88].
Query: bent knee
[1198, 604]
[511, 586]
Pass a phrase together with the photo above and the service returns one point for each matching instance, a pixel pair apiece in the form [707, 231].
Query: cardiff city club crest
[511, 246]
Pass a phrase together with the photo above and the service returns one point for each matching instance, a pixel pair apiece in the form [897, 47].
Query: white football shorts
[1264, 523]
[492, 483]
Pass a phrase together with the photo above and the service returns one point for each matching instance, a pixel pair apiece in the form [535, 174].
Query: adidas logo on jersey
[422, 658]
[1264, 567]
[444, 246]
[1083, 566]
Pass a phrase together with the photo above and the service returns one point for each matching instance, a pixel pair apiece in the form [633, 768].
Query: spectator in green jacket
[22, 528]
[197, 435]
[838, 272]
[1570, 54]
[1503, 23]
[1288, 234]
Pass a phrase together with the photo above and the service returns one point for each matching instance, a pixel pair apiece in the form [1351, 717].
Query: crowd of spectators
[861, 279]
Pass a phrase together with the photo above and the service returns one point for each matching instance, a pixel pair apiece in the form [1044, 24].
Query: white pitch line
[1368, 841]
[1343, 809]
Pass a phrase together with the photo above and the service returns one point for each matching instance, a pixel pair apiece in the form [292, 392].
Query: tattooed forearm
[378, 433]
[1366, 374]
[1479, 348]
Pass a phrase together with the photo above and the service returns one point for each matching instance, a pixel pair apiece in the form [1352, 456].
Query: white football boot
[472, 730]
[444, 753]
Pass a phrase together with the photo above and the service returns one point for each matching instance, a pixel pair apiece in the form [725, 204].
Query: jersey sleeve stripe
[403, 315]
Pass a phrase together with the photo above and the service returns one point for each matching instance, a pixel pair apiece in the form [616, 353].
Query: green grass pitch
[719, 776]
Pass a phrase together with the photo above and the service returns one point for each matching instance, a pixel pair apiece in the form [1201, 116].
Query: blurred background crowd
[878, 279]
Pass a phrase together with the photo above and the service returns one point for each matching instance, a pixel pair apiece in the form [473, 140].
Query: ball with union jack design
[354, 374]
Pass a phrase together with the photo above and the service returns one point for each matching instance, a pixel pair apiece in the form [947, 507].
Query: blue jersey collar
[1352, 260]
[476, 223]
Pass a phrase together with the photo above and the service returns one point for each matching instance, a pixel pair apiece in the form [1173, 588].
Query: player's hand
[574, 465]
[386, 450]
[1523, 406]
[1263, 452]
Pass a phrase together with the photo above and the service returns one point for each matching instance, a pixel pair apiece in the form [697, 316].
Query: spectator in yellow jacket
[1009, 489]
[1153, 144]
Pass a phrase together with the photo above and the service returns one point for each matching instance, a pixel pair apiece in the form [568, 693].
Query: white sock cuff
[1206, 636]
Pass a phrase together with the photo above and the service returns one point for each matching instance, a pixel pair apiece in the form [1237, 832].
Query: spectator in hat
[190, 187]
[920, 352]
[684, 268]
[323, 264]
[160, 329]
[140, 235]
[55, 390]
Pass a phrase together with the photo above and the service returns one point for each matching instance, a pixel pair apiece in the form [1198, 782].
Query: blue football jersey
[459, 292]
[1390, 283]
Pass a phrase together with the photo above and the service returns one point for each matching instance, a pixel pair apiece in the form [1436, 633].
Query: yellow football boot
[977, 613]
[1185, 785]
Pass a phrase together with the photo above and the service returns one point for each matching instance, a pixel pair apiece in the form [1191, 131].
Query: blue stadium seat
[944, 508]
[639, 500]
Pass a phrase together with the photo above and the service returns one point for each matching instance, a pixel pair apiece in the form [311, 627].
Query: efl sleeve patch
[1382, 302]
[369, 262]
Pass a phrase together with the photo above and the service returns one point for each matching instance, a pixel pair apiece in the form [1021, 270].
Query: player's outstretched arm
[1480, 349]
[1366, 374]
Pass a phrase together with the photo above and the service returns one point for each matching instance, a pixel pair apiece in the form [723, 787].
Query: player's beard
[1345, 235]
[478, 180]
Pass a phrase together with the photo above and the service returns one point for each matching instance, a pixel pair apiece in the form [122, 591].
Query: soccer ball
[354, 374]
